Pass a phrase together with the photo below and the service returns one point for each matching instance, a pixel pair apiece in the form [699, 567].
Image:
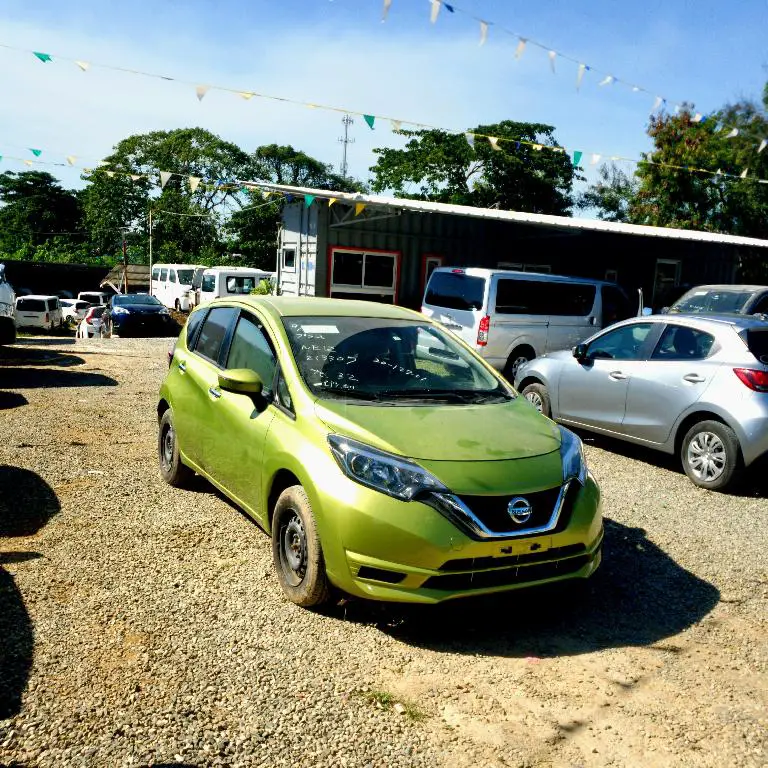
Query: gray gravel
[143, 625]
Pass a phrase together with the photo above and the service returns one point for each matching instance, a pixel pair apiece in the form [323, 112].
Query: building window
[364, 275]
[289, 259]
[429, 263]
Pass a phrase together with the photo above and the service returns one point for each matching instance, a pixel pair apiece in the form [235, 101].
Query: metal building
[383, 248]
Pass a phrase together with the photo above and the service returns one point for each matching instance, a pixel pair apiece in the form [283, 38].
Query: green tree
[446, 168]
[611, 196]
[35, 210]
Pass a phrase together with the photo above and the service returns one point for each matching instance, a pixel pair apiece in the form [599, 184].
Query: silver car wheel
[516, 363]
[534, 398]
[706, 456]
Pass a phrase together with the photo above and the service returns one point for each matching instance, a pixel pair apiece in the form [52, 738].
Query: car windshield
[185, 276]
[134, 298]
[711, 301]
[31, 305]
[455, 290]
[370, 358]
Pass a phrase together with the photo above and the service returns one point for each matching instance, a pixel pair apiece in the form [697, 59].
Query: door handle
[214, 393]
[618, 375]
[182, 366]
[694, 378]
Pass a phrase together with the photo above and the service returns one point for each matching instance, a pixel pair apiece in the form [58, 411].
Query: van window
[185, 276]
[616, 305]
[156, 273]
[163, 275]
[455, 290]
[208, 285]
[30, 305]
[541, 297]
[171, 275]
[239, 284]
[52, 304]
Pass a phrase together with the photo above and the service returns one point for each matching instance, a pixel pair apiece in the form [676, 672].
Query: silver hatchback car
[689, 385]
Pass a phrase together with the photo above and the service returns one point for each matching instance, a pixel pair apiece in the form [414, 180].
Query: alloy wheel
[534, 398]
[706, 456]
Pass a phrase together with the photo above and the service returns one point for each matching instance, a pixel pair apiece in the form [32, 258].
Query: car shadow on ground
[31, 368]
[27, 503]
[10, 400]
[639, 596]
[753, 483]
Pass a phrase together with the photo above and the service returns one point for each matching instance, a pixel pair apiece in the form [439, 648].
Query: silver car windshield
[712, 301]
[368, 358]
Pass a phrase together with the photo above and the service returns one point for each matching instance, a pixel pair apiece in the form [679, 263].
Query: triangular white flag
[387, 3]
[84, 65]
[763, 145]
[111, 174]
[71, 159]
[607, 80]
[744, 173]
[164, 176]
[520, 48]
[656, 104]
[538, 147]
[732, 133]
[580, 75]
[552, 56]
[194, 182]
[397, 125]
[483, 32]
[595, 159]
[636, 89]
[470, 137]
[434, 11]
[135, 177]
[494, 142]
[697, 118]
[201, 90]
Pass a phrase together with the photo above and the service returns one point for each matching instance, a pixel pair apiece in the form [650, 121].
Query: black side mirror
[580, 351]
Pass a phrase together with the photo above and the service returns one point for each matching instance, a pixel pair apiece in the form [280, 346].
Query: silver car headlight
[572, 456]
[381, 471]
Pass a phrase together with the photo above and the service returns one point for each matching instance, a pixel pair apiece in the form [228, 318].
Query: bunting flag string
[202, 90]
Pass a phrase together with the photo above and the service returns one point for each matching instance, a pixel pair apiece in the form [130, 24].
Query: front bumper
[409, 552]
[154, 324]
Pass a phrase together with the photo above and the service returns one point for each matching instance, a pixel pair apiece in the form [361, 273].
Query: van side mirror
[648, 311]
[580, 351]
[244, 381]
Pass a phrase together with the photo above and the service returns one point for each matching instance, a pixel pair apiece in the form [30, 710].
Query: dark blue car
[139, 314]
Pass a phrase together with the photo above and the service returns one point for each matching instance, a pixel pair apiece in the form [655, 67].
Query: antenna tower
[344, 141]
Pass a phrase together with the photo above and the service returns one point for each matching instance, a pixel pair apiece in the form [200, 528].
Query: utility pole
[345, 140]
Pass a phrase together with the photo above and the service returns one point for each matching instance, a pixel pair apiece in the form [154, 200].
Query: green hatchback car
[384, 457]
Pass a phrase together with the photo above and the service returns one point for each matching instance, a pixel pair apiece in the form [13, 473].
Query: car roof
[727, 288]
[312, 306]
[38, 296]
[485, 272]
[704, 322]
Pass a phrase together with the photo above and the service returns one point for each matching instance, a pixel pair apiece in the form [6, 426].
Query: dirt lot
[142, 625]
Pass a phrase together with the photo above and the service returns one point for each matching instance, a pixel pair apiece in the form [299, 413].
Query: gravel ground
[142, 625]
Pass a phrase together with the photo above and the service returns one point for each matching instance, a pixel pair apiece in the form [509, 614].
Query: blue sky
[338, 52]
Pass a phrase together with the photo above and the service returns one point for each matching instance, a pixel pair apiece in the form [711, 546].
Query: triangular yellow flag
[28, 162]
[71, 159]
[164, 176]
[84, 65]
[359, 208]
[246, 95]
[494, 142]
[111, 174]
[194, 182]
[201, 90]
[135, 177]
[331, 201]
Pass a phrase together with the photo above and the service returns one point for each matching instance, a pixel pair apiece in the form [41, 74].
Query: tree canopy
[445, 167]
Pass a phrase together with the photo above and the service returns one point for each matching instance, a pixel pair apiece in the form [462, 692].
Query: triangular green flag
[577, 153]
[370, 119]
[43, 56]
[36, 152]
[309, 199]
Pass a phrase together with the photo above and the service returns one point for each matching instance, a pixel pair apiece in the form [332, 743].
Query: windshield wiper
[460, 395]
[352, 394]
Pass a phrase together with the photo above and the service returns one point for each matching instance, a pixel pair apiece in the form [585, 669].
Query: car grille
[526, 558]
[506, 576]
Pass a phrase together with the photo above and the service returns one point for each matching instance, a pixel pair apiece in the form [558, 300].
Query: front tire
[172, 470]
[710, 455]
[296, 550]
[538, 396]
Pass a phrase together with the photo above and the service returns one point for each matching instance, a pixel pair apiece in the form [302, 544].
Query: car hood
[143, 309]
[483, 432]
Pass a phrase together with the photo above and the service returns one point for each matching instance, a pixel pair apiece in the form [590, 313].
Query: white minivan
[36, 311]
[511, 317]
[171, 284]
[230, 281]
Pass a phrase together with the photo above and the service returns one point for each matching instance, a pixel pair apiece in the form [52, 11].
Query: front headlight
[381, 471]
[572, 456]
[164, 311]
[120, 311]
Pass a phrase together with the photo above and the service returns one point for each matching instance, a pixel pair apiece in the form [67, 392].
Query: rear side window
[541, 297]
[757, 341]
[761, 305]
[31, 305]
[213, 332]
[455, 290]
[681, 343]
[208, 284]
[53, 304]
[237, 284]
[251, 349]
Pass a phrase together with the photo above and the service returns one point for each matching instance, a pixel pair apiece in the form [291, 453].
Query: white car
[95, 323]
[36, 311]
[73, 310]
[95, 298]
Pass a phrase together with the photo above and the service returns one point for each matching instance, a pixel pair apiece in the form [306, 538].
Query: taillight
[46, 317]
[754, 379]
[482, 331]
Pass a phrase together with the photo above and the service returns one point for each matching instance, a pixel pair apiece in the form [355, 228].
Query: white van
[95, 298]
[171, 284]
[511, 317]
[230, 281]
[36, 311]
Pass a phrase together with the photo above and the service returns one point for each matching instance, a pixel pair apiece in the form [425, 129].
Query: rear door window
[30, 305]
[213, 332]
[454, 290]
